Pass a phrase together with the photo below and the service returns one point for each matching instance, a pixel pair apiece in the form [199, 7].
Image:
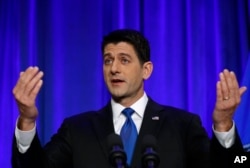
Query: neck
[128, 101]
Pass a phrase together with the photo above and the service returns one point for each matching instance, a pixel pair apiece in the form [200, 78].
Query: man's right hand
[25, 93]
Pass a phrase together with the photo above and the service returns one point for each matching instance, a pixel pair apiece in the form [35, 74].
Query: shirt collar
[139, 106]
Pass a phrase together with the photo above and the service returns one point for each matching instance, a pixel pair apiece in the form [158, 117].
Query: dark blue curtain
[191, 42]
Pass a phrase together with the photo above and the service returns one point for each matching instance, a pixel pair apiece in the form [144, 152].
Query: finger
[242, 90]
[16, 86]
[231, 84]
[224, 87]
[234, 88]
[219, 91]
[32, 84]
[36, 89]
[25, 78]
[24, 83]
[30, 73]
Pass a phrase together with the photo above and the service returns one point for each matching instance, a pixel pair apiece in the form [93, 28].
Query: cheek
[136, 77]
[105, 76]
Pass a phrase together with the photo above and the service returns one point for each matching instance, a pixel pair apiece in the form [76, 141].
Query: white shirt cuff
[226, 139]
[24, 138]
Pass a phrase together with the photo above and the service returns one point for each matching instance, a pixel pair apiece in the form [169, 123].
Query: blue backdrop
[191, 42]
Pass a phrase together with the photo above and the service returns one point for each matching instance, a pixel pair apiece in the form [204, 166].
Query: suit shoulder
[169, 110]
[83, 116]
[178, 115]
[178, 112]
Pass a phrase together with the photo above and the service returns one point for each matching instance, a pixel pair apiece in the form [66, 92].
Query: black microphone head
[149, 154]
[117, 156]
[149, 141]
[114, 140]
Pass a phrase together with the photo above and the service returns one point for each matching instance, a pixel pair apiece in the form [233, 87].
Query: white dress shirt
[119, 119]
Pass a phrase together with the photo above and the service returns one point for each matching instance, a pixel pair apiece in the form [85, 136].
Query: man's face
[123, 72]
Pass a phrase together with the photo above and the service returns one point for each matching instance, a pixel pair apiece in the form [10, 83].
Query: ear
[147, 69]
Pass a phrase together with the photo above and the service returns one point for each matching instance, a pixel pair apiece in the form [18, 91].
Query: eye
[108, 61]
[124, 61]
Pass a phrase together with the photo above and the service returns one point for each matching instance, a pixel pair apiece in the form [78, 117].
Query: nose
[115, 68]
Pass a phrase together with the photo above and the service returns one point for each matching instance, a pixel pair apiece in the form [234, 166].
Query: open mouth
[116, 81]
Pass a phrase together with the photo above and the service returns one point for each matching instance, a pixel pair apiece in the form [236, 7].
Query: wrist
[223, 126]
[26, 124]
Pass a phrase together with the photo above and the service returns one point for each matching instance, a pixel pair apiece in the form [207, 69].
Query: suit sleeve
[197, 144]
[56, 153]
[33, 157]
[223, 157]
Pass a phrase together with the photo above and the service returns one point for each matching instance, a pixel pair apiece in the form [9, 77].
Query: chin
[117, 96]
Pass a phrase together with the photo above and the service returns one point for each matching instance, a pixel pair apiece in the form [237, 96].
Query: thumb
[242, 90]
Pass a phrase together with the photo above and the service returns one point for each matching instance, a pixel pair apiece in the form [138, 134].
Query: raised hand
[25, 93]
[227, 99]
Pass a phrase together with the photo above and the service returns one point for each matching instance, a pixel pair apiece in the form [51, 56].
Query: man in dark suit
[81, 141]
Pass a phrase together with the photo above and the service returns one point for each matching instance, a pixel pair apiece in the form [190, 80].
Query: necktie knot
[128, 112]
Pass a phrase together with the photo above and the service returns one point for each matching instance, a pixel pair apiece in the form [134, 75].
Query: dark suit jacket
[81, 141]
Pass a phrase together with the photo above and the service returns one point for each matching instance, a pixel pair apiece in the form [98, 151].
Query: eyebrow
[106, 55]
[125, 54]
[120, 54]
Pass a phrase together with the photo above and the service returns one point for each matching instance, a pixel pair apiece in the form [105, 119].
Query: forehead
[121, 47]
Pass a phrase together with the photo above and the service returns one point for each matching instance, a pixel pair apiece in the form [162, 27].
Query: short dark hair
[133, 37]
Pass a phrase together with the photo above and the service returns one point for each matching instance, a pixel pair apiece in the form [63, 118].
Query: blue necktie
[129, 134]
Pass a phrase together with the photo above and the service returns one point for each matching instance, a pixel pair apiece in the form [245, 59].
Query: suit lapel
[103, 126]
[151, 124]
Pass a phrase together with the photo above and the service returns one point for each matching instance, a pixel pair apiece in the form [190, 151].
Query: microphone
[117, 156]
[150, 158]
